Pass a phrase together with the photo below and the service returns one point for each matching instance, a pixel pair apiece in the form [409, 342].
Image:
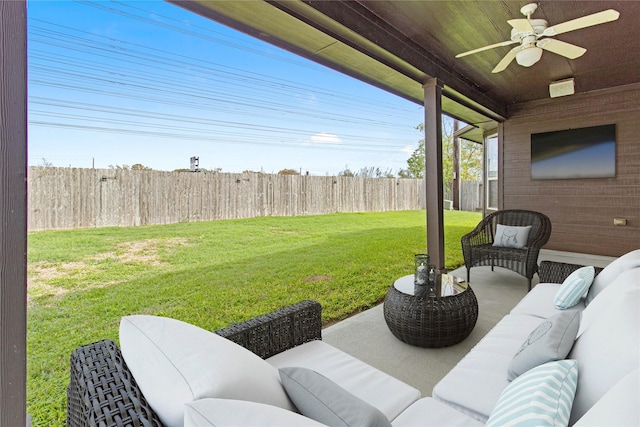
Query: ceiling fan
[532, 37]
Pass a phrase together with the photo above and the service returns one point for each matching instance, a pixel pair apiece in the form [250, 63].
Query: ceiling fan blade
[508, 58]
[586, 21]
[561, 48]
[480, 49]
[521, 25]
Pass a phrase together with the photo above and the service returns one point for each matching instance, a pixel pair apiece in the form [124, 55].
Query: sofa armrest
[557, 272]
[273, 333]
[102, 390]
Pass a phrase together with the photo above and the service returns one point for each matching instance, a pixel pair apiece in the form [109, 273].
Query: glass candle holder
[421, 273]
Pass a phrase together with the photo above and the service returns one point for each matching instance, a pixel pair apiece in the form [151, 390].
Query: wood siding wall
[581, 210]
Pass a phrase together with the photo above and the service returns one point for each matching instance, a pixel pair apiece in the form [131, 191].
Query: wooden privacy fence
[470, 195]
[67, 198]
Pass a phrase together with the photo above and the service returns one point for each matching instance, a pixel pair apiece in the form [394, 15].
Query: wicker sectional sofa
[103, 390]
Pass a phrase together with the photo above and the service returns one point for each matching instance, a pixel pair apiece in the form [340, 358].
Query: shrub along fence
[67, 198]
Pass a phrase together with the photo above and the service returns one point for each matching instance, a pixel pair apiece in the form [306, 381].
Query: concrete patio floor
[367, 337]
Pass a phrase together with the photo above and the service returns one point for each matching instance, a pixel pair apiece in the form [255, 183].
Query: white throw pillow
[174, 363]
[509, 236]
[611, 272]
[574, 287]
[241, 413]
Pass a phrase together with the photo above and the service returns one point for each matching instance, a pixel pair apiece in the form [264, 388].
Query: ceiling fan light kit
[532, 37]
[529, 56]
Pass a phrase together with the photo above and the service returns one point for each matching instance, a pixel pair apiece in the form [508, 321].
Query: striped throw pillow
[543, 396]
[574, 287]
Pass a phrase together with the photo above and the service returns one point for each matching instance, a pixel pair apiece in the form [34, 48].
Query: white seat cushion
[382, 391]
[213, 412]
[539, 302]
[474, 385]
[619, 407]
[174, 363]
[607, 350]
[428, 412]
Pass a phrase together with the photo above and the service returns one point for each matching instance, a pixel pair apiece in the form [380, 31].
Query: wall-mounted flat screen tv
[574, 153]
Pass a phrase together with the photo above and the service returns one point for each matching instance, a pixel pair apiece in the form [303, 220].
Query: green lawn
[81, 282]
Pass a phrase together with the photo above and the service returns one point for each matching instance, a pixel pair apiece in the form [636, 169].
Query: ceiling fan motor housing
[539, 25]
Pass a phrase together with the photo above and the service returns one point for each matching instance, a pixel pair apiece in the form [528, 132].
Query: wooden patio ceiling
[399, 45]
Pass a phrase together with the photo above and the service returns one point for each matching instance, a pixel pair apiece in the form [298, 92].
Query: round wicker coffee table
[427, 321]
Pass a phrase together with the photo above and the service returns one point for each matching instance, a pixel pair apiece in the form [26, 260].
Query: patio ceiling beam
[433, 171]
[386, 44]
[328, 33]
[13, 212]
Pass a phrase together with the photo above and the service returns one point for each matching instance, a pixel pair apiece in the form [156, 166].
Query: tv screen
[574, 153]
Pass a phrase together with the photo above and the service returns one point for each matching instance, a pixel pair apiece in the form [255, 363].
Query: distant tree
[45, 163]
[120, 167]
[415, 163]
[346, 172]
[200, 170]
[470, 161]
[288, 172]
[470, 157]
[140, 167]
[374, 172]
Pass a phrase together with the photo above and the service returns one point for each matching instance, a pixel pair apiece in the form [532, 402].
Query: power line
[219, 103]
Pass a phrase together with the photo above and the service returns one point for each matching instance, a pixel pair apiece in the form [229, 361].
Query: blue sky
[120, 83]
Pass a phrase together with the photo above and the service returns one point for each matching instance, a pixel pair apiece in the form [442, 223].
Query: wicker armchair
[478, 249]
[102, 391]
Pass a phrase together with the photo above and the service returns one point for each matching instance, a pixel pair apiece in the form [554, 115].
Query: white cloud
[325, 138]
[409, 149]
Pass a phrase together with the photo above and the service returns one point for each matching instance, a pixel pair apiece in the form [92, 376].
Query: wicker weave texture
[103, 393]
[430, 322]
[102, 390]
[278, 331]
[557, 272]
[478, 249]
